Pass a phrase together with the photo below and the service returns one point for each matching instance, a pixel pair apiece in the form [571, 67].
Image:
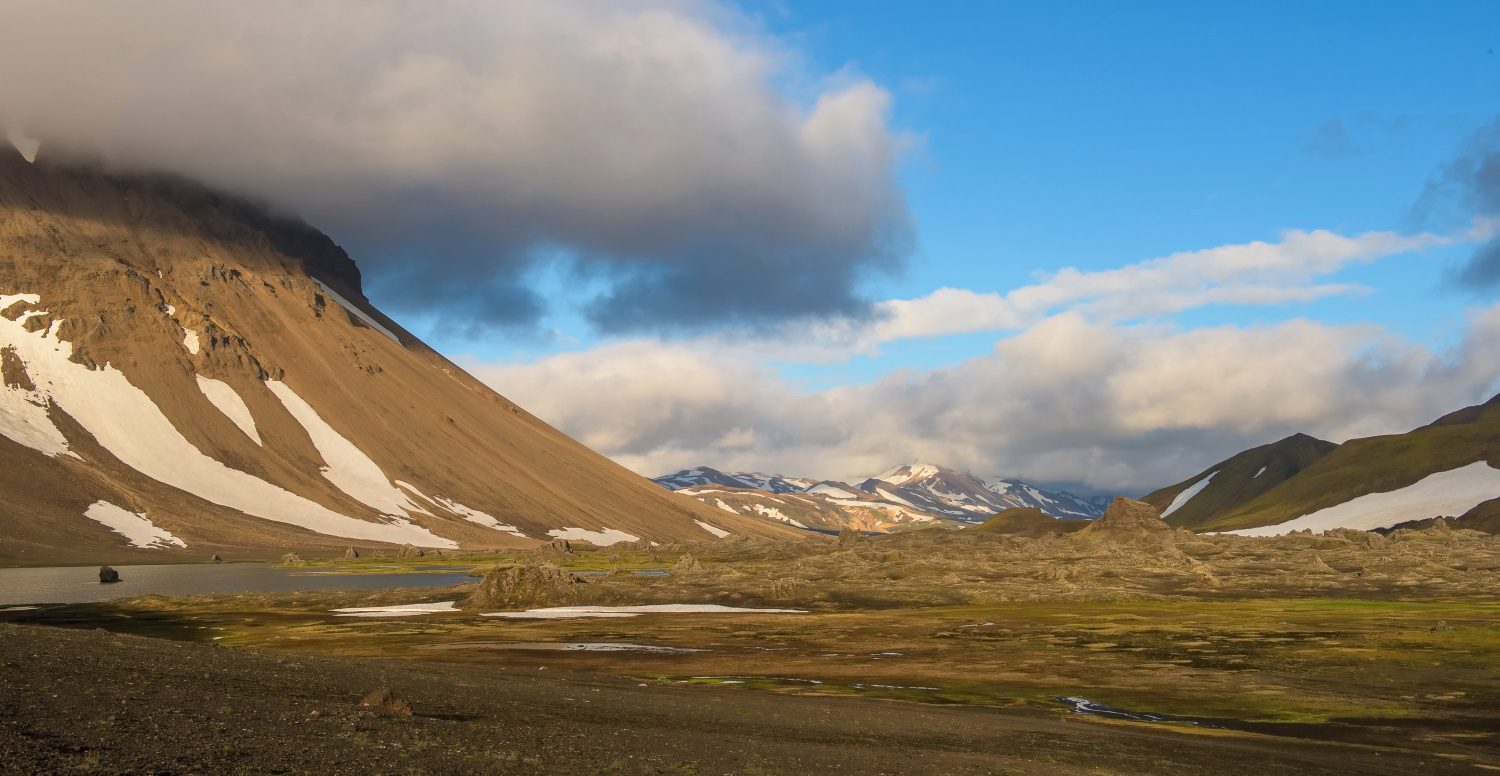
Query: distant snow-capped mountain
[703, 475]
[941, 491]
[904, 494]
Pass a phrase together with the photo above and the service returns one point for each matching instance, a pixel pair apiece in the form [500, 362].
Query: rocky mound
[524, 586]
[1029, 522]
[1127, 519]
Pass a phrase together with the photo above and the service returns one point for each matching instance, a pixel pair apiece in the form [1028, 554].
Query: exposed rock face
[1127, 519]
[687, 563]
[559, 546]
[521, 586]
[384, 700]
[108, 575]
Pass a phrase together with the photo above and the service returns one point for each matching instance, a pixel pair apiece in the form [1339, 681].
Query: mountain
[1450, 467]
[941, 491]
[1235, 481]
[187, 373]
[903, 496]
[703, 475]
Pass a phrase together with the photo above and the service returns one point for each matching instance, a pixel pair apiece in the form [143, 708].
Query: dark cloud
[454, 148]
[1467, 187]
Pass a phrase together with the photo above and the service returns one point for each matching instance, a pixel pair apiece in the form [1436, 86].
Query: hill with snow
[185, 374]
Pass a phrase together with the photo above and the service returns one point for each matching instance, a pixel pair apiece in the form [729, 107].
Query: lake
[80, 584]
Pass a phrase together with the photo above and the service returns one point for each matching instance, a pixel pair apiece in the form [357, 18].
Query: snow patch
[716, 531]
[467, 513]
[190, 341]
[28, 146]
[896, 476]
[171, 310]
[132, 525]
[221, 395]
[725, 507]
[1188, 494]
[399, 610]
[356, 312]
[347, 466]
[1452, 492]
[23, 413]
[773, 512]
[1262, 471]
[603, 537]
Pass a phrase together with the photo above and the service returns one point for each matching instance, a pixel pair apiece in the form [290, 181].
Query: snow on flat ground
[631, 611]
[713, 529]
[1450, 493]
[603, 537]
[221, 395]
[399, 610]
[1187, 495]
[347, 466]
[358, 313]
[132, 525]
[124, 420]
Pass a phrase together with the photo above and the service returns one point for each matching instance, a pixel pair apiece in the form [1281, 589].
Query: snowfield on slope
[134, 526]
[221, 395]
[124, 420]
[1450, 493]
[1187, 494]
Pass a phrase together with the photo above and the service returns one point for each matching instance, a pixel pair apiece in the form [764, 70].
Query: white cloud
[645, 138]
[1256, 273]
[1126, 407]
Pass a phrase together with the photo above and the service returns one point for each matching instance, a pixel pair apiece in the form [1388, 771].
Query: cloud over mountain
[653, 146]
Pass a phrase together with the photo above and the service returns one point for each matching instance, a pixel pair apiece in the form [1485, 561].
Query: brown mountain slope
[1237, 480]
[184, 356]
[1029, 522]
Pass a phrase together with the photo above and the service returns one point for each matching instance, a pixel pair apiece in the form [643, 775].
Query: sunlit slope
[1029, 522]
[1236, 481]
[1382, 467]
[215, 372]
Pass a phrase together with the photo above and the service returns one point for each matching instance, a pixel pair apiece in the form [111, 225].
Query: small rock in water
[107, 575]
[384, 700]
[351, 554]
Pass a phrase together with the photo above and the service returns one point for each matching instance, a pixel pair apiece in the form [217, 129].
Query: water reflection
[80, 584]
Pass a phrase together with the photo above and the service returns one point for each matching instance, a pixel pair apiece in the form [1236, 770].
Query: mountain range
[1448, 468]
[901, 496]
[187, 373]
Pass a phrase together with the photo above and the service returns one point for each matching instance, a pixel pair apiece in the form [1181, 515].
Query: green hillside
[1240, 479]
[1372, 465]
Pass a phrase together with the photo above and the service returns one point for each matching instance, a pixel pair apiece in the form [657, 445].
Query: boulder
[292, 559]
[560, 546]
[108, 575]
[351, 554]
[409, 551]
[216, 559]
[686, 563]
[386, 701]
[521, 586]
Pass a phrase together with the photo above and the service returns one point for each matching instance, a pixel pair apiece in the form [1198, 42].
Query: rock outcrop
[522, 586]
[386, 701]
[1125, 520]
[108, 575]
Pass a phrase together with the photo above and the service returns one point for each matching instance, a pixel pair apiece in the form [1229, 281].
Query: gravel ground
[88, 701]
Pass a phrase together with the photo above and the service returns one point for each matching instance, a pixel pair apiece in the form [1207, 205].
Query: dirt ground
[90, 701]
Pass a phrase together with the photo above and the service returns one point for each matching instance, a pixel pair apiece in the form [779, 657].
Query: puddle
[1086, 706]
[560, 646]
